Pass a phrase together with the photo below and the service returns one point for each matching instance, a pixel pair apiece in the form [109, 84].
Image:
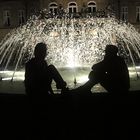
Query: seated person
[112, 73]
[39, 75]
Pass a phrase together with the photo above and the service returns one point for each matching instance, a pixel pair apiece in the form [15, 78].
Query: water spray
[87, 37]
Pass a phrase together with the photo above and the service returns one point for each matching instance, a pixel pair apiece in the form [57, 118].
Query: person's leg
[60, 83]
[97, 76]
[93, 80]
[106, 85]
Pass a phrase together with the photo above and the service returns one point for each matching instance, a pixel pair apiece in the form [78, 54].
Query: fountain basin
[68, 74]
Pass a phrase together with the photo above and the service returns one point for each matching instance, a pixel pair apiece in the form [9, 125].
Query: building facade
[129, 11]
[75, 5]
[14, 13]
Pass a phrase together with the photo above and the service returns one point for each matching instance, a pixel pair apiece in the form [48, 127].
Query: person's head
[40, 51]
[111, 50]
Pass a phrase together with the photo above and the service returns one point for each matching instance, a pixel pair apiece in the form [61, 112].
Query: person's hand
[65, 90]
[61, 85]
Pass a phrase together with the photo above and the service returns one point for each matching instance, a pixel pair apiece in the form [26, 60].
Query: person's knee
[51, 67]
[94, 76]
[91, 75]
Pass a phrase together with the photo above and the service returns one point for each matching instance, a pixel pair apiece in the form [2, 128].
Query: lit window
[21, 17]
[6, 17]
[138, 13]
[53, 7]
[124, 13]
[72, 7]
[91, 7]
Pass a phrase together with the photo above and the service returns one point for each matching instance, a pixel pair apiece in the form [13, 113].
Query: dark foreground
[72, 116]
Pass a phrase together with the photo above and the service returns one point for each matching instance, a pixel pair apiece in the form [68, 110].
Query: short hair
[40, 49]
[111, 49]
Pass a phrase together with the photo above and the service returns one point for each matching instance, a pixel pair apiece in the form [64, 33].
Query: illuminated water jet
[72, 42]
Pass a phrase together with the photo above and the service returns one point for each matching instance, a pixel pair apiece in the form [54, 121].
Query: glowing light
[54, 34]
[83, 79]
[6, 79]
[7, 75]
[94, 33]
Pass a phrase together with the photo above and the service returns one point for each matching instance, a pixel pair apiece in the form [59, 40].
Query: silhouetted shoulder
[122, 61]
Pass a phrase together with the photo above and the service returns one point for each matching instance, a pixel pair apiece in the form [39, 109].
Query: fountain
[74, 44]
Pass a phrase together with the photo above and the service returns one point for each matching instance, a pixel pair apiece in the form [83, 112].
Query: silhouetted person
[39, 75]
[112, 73]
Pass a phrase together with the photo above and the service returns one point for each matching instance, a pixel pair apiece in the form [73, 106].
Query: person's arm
[27, 78]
